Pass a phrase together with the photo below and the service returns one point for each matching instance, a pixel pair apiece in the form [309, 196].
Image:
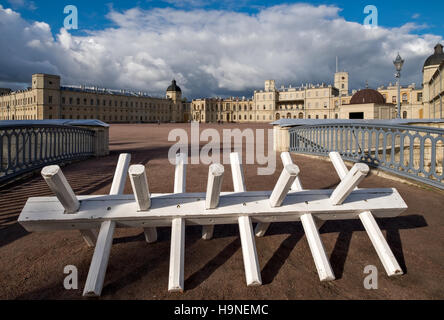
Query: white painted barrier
[287, 202]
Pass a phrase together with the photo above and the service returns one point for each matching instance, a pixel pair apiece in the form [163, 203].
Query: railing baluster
[358, 141]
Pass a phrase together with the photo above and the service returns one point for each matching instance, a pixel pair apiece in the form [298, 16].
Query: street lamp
[398, 66]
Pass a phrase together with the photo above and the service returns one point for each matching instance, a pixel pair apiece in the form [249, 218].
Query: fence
[24, 148]
[410, 151]
[97, 216]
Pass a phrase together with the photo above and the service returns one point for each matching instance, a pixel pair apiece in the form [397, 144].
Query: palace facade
[47, 99]
[324, 101]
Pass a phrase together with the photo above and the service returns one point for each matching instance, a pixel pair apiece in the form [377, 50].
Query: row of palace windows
[301, 116]
[103, 102]
[218, 108]
[116, 118]
[404, 98]
[17, 102]
[110, 110]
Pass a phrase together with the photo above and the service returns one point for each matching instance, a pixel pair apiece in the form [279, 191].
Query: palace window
[404, 97]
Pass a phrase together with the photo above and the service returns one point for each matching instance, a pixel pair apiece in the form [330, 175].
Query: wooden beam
[215, 178]
[180, 173]
[350, 182]
[118, 184]
[249, 253]
[58, 184]
[283, 185]
[177, 255]
[325, 272]
[286, 159]
[177, 251]
[237, 172]
[381, 246]
[104, 241]
[317, 249]
[261, 228]
[339, 165]
[46, 213]
[99, 263]
[139, 183]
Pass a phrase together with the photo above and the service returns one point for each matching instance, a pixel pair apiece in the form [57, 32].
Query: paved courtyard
[31, 265]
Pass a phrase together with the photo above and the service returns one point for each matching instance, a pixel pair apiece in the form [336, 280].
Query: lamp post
[398, 65]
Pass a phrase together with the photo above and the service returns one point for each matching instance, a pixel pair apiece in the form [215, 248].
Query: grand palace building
[47, 99]
[324, 101]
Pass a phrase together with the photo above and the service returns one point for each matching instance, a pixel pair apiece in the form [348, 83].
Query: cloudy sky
[213, 48]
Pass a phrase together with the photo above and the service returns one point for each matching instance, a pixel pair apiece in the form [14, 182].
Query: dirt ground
[31, 264]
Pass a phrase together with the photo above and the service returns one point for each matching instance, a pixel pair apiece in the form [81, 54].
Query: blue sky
[215, 48]
[92, 14]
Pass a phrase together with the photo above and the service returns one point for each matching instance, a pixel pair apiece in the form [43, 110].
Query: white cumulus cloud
[212, 52]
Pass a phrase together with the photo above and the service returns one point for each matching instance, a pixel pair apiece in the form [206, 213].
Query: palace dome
[436, 58]
[367, 96]
[174, 87]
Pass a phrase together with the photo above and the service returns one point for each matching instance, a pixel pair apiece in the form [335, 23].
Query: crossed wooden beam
[97, 216]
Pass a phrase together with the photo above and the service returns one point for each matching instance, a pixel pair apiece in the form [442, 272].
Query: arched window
[289, 115]
[278, 116]
[404, 115]
[336, 116]
[301, 115]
